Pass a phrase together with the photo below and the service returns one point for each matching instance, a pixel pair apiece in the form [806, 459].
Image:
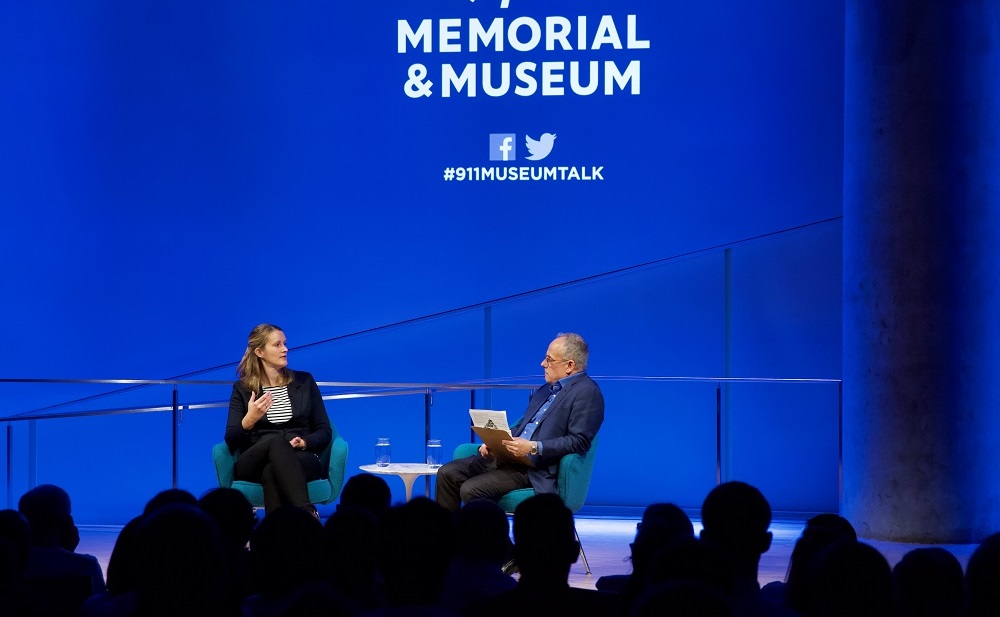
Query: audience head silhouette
[545, 543]
[981, 576]
[736, 517]
[367, 491]
[123, 564]
[928, 582]
[476, 576]
[233, 514]
[482, 532]
[348, 537]
[852, 578]
[661, 524]
[47, 508]
[415, 565]
[820, 532]
[15, 541]
[178, 558]
[181, 566]
[170, 496]
[234, 517]
[286, 550]
[667, 514]
[15, 544]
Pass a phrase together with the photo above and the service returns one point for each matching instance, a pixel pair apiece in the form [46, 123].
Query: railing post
[472, 405]
[32, 453]
[840, 446]
[718, 433]
[175, 422]
[428, 401]
[10, 466]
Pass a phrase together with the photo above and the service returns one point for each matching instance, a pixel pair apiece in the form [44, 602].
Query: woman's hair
[249, 370]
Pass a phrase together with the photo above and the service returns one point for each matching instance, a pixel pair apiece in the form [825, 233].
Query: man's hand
[483, 450]
[519, 446]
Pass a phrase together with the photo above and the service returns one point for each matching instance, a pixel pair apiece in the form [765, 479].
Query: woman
[277, 422]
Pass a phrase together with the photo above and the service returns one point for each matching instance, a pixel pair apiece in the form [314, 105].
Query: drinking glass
[434, 453]
[383, 452]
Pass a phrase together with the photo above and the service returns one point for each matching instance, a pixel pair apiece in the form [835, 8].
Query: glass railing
[691, 433]
[719, 364]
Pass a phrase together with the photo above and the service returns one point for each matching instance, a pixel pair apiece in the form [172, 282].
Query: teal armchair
[322, 491]
[575, 471]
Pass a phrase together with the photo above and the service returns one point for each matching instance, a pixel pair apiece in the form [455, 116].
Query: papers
[488, 418]
[493, 428]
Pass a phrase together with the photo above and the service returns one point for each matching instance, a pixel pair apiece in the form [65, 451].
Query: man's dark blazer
[309, 420]
[568, 427]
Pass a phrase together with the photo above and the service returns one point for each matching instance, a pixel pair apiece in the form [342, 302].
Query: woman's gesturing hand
[256, 409]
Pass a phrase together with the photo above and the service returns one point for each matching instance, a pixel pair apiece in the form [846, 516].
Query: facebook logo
[503, 147]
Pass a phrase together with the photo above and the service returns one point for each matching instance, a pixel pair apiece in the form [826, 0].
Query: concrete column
[922, 269]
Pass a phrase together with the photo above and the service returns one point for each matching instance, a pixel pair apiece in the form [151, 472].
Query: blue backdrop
[173, 174]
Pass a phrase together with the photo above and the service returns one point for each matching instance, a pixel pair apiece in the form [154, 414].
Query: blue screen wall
[171, 175]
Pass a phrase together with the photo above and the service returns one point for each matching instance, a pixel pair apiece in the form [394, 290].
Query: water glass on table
[434, 453]
[383, 452]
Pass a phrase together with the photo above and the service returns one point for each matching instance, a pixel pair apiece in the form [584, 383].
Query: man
[482, 546]
[562, 418]
[736, 518]
[545, 547]
[53, 567]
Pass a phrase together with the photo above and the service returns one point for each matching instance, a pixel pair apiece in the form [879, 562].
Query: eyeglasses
[550, 361]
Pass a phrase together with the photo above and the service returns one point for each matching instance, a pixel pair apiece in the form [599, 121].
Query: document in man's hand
[488, 418]
[493, 428]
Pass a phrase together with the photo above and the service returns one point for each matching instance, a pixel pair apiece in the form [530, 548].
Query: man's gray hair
[575, 349]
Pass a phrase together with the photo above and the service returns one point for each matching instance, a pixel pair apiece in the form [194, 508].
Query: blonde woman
[277, 422]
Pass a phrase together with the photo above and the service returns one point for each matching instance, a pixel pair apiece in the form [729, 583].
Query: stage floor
[605, 541]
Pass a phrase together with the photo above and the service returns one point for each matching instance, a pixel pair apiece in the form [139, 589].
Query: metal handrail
[381, 389]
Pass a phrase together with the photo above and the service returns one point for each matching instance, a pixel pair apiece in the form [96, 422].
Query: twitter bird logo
[541, 147]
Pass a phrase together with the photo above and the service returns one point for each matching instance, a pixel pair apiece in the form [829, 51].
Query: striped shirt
[281, 408]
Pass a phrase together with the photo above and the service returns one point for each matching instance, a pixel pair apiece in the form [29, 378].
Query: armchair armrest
[464, 450]
[225, 463]
[338, 465]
